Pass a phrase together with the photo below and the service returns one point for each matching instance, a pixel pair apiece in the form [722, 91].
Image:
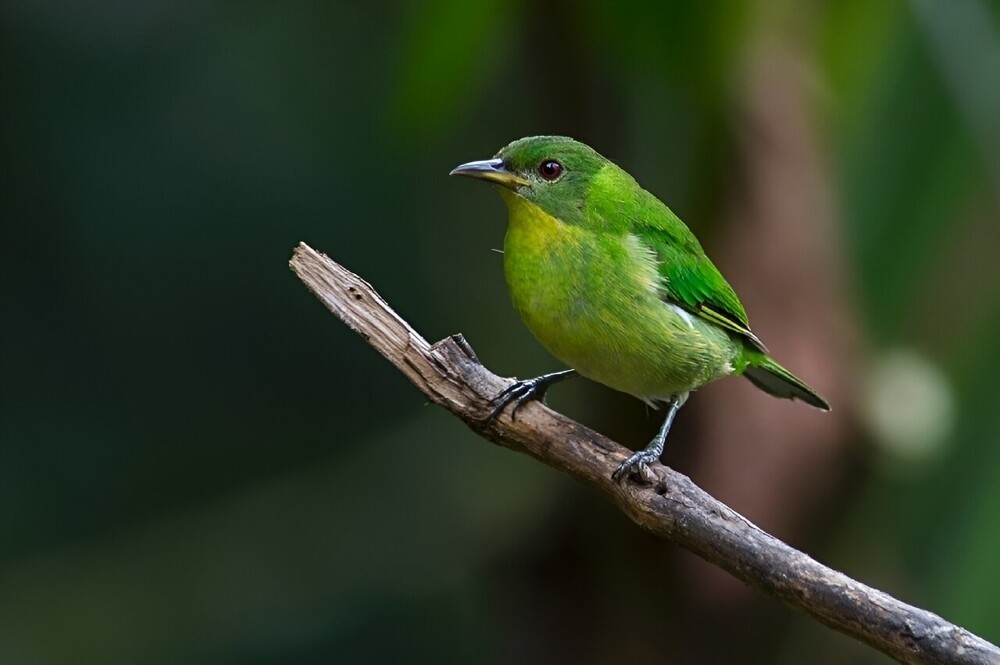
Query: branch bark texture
[670, 505]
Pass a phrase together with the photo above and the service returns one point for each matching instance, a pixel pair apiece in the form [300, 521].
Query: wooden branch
[671, 506]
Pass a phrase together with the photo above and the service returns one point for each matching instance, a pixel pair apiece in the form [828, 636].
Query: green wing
[690, 279]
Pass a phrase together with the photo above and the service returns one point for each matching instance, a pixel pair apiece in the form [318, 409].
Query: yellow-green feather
[688, 276]
[615, 285]
[594, 301]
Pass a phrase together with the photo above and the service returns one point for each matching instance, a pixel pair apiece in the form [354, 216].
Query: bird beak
[491, 170]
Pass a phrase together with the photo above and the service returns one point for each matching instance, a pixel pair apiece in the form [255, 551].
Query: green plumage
[614, 284]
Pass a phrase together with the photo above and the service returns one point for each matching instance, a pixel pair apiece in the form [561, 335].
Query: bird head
[553, 172]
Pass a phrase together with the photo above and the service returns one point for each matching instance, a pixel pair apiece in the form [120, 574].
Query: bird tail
[775, 380]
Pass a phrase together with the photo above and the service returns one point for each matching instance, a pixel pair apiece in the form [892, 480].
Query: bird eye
[550, 169]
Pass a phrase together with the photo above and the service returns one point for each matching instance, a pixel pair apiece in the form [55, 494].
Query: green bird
[617, 287]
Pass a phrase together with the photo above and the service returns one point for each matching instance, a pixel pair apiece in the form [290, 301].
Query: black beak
[491, 170]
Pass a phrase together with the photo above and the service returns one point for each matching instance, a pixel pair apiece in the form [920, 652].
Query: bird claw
[519, 392]
[638, 462]
[636, 466]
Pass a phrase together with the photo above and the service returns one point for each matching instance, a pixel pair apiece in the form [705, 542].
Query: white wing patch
[683, 313]
[647, 271]
[647, 267]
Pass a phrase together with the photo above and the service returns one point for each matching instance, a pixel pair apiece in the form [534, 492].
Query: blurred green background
[198, 464]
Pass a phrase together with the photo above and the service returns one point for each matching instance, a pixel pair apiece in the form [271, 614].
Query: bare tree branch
[671, 506]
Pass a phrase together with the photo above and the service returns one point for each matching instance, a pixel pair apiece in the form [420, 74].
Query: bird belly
[592, 303]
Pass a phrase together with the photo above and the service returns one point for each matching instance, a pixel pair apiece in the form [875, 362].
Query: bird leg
[525, 390]
[637, 462]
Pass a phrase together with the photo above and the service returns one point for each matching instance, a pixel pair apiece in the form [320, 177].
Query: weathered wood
[671, 506]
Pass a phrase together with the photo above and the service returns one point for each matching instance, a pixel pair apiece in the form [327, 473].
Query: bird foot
[521, 392]
[636, 466]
